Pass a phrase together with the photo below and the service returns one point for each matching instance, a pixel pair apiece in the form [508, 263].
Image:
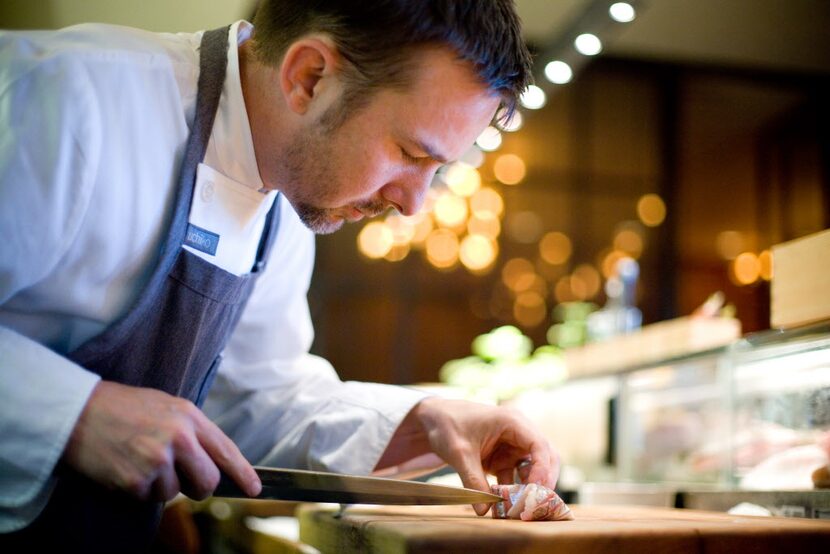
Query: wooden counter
[623, 529]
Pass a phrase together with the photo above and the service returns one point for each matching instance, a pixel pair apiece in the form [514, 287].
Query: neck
[266, 112]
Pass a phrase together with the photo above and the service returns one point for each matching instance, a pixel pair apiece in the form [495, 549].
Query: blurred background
[687, 135]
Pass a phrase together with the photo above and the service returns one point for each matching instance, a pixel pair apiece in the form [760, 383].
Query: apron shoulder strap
[213, 63]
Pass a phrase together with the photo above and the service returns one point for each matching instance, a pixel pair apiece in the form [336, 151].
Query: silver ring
[523, 463]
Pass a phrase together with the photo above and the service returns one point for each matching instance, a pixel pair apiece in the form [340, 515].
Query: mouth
[353, 214]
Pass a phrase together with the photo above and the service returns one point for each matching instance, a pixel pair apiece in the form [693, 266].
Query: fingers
[151, 444]
[166, 485]
[544, 463]
[199, 474]
[523, 470]
[505, 476]
[472, 475]
[201, 454]
[541, 469]
[227, 457]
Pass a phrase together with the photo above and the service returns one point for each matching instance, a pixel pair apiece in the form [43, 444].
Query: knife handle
[228, 488]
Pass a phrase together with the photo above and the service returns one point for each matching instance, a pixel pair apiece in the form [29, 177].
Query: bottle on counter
[620, 315]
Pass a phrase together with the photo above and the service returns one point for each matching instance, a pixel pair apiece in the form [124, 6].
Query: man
[157, 193]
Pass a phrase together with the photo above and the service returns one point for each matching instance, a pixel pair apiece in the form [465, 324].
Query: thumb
[472, 475]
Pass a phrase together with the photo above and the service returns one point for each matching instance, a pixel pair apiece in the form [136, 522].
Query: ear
[304, 66]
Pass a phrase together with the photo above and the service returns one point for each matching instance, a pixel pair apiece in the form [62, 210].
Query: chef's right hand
[153, 445]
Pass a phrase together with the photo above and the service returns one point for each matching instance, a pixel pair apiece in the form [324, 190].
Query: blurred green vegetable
[502, 343]
[503, 365]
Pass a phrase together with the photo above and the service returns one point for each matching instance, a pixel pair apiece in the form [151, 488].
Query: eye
[409, 157]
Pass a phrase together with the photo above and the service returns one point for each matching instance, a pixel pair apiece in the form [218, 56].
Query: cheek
[361, 164]
[366, 175]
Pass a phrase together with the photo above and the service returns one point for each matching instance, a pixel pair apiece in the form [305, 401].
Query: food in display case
[749, 447]
[791, 469]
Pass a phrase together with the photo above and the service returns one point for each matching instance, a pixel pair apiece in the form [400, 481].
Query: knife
[317, 486]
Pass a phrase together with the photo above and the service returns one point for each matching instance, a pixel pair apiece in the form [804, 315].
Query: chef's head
[379, 94]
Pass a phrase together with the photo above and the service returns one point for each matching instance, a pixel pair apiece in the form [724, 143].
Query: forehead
[444, 103]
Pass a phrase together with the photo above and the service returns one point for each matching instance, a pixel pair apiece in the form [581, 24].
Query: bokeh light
[651, 210]
[477, 252]
[588, 44]
[609, 263]
[490, 227]
[524, 227]
[514, 123]
[530, 281]
[623, 12]
[402, 228]
[589, 279]
[486, 203]
[509, 169]
[745, 269]
[423, 226]
[489, 139]
[549, 272]
[529, 309]
[765, 261]
[375, 240]
[397, 253]
[729, 244]
[629, 241]
[515, 271]
[450, 210]
[562, 290]
[462, 179]
[473, 157]
[558, 72]
[555, 248]
[442, 248]
[533, 98]
[579, 289]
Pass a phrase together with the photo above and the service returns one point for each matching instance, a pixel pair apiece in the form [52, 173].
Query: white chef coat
[93, 123]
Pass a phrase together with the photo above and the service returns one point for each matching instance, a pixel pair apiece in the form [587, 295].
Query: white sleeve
[283, 406]
[46, 115]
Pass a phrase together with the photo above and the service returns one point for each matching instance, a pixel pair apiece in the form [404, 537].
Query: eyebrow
[431, 152]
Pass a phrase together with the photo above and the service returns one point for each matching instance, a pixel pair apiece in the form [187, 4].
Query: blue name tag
[201, 240]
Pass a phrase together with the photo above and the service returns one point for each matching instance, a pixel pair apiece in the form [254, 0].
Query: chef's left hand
[477, 439]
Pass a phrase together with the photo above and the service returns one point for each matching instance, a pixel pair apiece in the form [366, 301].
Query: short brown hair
[378, 38]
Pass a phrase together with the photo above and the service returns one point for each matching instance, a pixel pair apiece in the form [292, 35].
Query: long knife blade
[317, 486]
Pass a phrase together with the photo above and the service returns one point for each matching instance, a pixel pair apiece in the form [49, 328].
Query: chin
[324, 225]
[319, 220]
[328, 228]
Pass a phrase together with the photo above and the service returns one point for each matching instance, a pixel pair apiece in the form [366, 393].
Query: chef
[158, 199]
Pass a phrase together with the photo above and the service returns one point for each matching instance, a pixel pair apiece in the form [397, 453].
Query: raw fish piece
[531, 502]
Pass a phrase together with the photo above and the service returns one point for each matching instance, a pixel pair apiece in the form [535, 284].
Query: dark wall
[726, 149]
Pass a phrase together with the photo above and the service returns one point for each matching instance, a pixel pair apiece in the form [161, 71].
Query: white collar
[231, 141]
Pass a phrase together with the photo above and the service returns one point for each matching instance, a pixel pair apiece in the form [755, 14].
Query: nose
[407, 194]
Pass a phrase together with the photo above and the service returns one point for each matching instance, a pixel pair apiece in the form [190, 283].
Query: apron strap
[213, 63]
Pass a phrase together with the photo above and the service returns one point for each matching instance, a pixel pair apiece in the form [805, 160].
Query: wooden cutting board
[596, 529]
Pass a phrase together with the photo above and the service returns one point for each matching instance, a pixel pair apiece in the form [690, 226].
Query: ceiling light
[622, 12]
[588, 44]
[558, 72]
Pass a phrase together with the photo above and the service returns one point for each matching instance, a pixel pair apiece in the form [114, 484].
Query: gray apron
[170, 340]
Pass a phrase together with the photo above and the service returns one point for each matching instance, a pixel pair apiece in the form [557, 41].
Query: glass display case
[780, 394]
[673, 421]
[750, 415]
